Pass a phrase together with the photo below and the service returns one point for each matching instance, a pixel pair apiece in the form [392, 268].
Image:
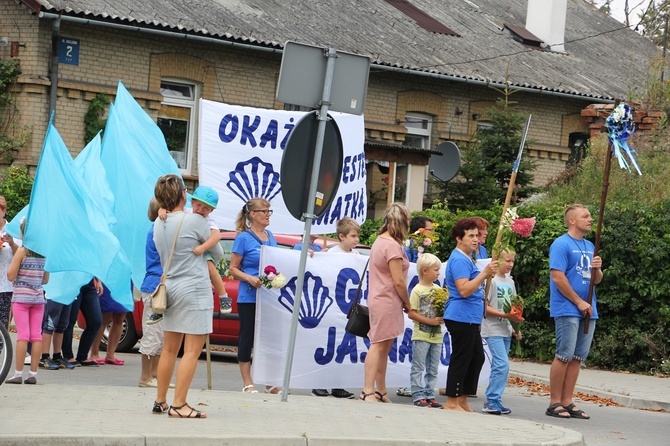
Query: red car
[225, 326]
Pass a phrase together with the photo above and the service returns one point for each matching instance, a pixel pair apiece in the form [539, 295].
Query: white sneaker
[225, 305]
[27, 360]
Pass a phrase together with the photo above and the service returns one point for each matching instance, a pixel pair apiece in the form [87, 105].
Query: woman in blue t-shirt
[463, 315]
[244, 266]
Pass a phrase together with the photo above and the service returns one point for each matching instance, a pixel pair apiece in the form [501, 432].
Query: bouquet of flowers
[423, 240]
[512, 227]
[272, 278]
[439, 297]
[620, 126]
[223, 267]
[514, 306]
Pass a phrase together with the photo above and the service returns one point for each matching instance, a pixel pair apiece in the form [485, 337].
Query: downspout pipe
[158, 32]
[53, 92]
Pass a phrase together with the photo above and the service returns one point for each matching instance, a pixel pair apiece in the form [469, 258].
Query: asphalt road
[607, 426]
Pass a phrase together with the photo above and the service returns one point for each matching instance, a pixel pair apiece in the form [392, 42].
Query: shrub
[16, 187]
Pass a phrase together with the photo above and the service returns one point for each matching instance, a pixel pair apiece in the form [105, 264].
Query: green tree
[12, 139]
[93, 121]
[16, 186]
[487, 162]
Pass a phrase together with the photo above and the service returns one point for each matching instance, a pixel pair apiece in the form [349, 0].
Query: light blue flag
[13, 228]
[67, 226]
[89, 165]
[135, 155]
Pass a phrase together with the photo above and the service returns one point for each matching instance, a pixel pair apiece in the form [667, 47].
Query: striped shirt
[28, 282]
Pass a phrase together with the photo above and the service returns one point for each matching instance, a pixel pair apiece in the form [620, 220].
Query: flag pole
[508, 199]
[599, 225]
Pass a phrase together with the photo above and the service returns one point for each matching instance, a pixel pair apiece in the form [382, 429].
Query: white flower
[279, 281]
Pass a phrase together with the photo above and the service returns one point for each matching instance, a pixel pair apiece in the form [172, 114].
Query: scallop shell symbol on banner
[254, 179]
[315, 300]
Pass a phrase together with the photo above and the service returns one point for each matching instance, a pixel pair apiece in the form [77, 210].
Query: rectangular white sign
[240, 155]
[325, 355]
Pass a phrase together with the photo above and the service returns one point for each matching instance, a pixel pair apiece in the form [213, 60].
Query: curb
[624, 400]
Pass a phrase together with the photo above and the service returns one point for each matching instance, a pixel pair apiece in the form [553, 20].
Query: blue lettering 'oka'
[253, 128]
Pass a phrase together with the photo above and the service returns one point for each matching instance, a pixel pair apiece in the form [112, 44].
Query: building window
[177, 120]
[419, 127]
[483, 126]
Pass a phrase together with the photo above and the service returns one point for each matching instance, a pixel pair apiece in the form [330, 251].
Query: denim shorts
[571, 342]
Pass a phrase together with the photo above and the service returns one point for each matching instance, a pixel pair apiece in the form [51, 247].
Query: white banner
[325, 355]
[240, 153]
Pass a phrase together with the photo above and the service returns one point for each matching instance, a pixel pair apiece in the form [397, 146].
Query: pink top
[387, 319]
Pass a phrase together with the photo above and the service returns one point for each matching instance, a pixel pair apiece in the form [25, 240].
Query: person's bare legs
[569, 383]
[193, 345]
[558, 374]
[375, 368]
[380, 378]
[57, 341]
[46, 343]
[146, 373]
[21, 349]
[95, 348]
[35, 359]
[215, 278]
[114, 334]
[463, 402]
[166, 363]
[245, 371]
[454, 403]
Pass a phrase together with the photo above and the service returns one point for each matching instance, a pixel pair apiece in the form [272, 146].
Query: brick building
[433, 65]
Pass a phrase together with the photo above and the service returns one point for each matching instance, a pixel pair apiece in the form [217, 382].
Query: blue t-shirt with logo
[573, 257]
[468, 309]
[247, 246]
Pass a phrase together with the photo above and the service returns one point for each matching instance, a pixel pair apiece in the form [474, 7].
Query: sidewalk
[104, 414]
[629, 390]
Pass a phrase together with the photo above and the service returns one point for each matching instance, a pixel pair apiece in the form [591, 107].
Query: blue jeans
[425, 356]
[571, 342]
[89, 303]
[499, 349]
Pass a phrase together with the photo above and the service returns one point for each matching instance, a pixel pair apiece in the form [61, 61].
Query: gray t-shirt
[502, 289]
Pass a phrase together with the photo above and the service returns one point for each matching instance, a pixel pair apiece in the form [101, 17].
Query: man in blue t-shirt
[571, 264]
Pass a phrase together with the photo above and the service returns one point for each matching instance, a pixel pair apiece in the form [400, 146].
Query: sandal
[115, 361]
[382, 397]
[576, 413]
[249, 389]
[174, 412]
[554, 411]
[364, 395]
[273, 390]
[159, 407]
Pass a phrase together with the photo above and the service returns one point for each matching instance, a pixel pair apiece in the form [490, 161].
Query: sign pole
[308, 216]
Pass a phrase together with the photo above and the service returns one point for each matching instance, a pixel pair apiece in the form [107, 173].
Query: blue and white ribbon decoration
[620, 127]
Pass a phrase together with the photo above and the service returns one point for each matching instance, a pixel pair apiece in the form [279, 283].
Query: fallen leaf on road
[543, 390]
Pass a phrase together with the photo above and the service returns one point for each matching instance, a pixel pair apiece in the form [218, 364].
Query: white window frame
[424, 134]
[192, 128]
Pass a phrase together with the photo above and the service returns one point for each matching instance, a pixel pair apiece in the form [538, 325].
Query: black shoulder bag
[358, 315]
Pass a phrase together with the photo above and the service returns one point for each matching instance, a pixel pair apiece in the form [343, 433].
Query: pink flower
[523, 226]
[270, 270]
[427, 242]
[271, 276]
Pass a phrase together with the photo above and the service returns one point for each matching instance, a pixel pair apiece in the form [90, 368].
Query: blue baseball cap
[206, 195]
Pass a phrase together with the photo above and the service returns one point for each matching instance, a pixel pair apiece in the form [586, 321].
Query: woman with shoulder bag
[387, 299]
[188, 316]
